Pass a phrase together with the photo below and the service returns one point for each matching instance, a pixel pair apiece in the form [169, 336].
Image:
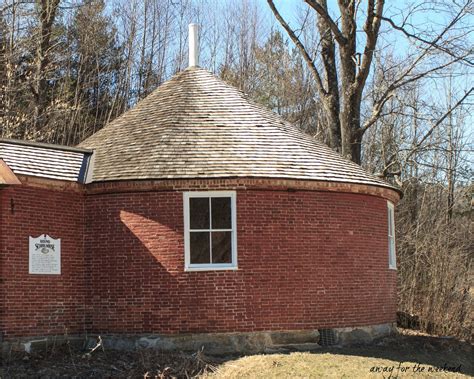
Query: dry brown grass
[405, 351]
[409, 355]
[324, 365]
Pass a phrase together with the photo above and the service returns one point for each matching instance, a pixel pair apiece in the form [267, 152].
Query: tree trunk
[47, 14]
[330, 97]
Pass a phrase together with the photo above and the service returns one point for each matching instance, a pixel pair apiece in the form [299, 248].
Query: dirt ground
[406, 355]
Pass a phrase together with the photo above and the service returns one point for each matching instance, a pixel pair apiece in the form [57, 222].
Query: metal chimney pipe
[193, 45]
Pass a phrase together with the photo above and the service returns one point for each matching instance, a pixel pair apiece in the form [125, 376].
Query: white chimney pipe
[193, 45]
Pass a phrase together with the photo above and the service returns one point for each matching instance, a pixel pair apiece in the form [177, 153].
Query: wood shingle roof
[197, 126]
[45, 160]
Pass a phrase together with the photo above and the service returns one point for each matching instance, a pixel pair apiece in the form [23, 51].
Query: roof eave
[118, 180]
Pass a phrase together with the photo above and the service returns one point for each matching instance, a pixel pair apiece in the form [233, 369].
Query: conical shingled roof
[197, 126]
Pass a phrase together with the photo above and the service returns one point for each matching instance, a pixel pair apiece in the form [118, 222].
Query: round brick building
[197, 211]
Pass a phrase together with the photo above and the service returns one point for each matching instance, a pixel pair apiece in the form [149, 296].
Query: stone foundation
[214, 343]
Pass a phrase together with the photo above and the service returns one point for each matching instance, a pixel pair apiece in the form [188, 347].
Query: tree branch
[378, 106]
[417, 147]
[433, 43]
[371, 29]
[430, 43]
[323, 13]
[304, 52]
[440, 120]
[376, 111]
[14, 4]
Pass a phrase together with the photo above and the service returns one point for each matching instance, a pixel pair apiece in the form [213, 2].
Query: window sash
[389, 214]
[187, 231]
[392, 260]
[212, 256]
[391, 247]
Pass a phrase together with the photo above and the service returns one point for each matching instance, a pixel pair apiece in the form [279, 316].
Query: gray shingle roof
[45, 160]
[197, 126]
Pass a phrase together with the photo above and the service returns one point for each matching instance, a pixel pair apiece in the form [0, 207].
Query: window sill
[392, 268]
[210, 268]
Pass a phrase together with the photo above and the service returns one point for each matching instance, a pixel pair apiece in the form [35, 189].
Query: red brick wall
[34, 305]
[306, 260]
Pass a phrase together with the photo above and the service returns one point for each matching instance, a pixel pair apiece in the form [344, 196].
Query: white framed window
[210, 230]
[392, 259]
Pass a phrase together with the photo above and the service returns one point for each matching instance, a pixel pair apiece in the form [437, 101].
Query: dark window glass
[221, 247]
[199, 213]
[199, 244]
[221, 211]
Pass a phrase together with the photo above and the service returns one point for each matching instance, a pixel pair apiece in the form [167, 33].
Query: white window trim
[188, 266]
[392, 221]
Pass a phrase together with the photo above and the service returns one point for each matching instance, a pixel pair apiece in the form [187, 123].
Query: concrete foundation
[212, 343]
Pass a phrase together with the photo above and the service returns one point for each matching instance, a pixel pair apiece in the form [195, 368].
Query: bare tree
[341, 79]
[46, 15]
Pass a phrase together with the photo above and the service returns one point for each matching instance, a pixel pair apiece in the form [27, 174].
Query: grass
[403, 356]
[325, 365]
[392, 357]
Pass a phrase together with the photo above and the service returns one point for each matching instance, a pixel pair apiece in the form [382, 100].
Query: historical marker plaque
[45, 255]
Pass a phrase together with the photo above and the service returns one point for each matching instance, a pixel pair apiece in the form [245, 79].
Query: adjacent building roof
[45, 160]
[195, 125]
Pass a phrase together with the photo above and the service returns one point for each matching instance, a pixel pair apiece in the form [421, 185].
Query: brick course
[307, 259]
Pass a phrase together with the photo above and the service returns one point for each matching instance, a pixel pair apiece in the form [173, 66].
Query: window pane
[199, 246]
[221, 213]
[199, 213]
[391, 251]
[221, 247]
[390, 222]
